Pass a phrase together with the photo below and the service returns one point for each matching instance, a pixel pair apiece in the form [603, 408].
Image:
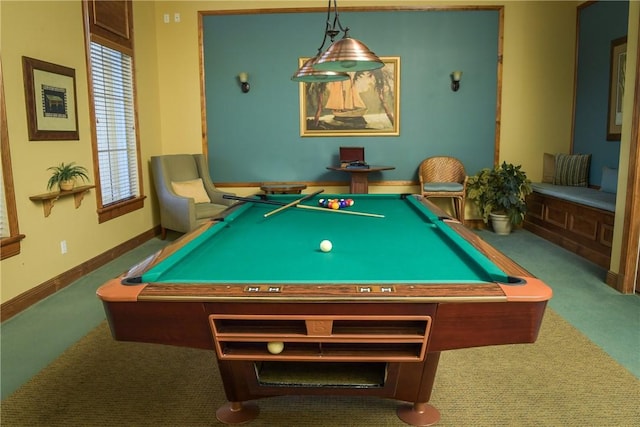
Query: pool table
[370, 317]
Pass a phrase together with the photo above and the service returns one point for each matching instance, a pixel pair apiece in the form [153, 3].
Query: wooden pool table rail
[532, 290]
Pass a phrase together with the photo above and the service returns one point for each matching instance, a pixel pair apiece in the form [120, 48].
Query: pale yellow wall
[53, 31]
[539, 41]
[537, 82]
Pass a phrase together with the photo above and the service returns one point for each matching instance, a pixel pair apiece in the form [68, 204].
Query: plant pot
[500, 223]
[67, 185]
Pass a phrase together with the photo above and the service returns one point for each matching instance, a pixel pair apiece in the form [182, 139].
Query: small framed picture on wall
[50, 97]
[616, 88]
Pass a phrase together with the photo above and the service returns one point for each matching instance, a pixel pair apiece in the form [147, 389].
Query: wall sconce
[455, 80]
[244, 83]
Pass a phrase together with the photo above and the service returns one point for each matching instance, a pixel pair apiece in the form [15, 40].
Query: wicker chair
[444, 176]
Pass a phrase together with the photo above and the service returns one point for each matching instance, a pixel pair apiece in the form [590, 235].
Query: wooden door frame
[629, 260]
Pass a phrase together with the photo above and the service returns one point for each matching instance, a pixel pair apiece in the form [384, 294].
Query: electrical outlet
[63, 247]
[166, 18]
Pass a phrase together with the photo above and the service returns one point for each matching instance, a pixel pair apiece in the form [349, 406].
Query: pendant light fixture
[347, 54]
[308, 74]
[342, 56]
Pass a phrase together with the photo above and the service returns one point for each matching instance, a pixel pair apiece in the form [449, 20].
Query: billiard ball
[325, 246]
[275, 347]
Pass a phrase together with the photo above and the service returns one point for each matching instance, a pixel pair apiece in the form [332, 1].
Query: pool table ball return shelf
[368, 318]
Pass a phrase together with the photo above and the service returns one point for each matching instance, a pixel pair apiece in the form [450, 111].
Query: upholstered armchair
[186, 194]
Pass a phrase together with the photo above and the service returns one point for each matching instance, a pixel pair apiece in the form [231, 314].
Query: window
[10, 237]
[111, 86]
[114, 124]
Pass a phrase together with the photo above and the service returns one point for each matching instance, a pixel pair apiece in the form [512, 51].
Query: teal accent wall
[600, 24]
[255, 136]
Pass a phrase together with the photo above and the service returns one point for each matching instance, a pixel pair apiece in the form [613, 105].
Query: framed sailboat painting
[366, 104]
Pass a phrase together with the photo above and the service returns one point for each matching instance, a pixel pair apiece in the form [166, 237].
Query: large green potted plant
[64, 176]
[499, 195]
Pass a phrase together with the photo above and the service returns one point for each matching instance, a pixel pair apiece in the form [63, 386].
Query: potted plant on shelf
[499, 194]
[64, 176]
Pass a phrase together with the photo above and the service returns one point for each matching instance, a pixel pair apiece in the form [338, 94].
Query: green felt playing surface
[409, 245]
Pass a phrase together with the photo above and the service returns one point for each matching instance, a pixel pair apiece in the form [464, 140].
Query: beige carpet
[562, 380]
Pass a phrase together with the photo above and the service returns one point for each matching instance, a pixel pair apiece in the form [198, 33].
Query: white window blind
[112, 75]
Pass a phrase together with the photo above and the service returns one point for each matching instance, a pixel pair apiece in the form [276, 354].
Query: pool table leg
[421, 413]
[237, 412]
[418, 414]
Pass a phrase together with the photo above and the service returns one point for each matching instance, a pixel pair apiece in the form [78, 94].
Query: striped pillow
[572, 170]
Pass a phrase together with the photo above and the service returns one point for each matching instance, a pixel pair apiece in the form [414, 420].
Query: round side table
[282, 188]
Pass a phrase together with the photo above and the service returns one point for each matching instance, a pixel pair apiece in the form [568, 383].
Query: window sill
[115, 210]
[10, 246]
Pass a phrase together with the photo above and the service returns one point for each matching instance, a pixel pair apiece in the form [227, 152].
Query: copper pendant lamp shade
[308, 74]
[348, 55]
[341, 57]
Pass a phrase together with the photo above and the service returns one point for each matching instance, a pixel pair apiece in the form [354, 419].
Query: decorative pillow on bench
[572, 169]
[609, 183]
[548, 167]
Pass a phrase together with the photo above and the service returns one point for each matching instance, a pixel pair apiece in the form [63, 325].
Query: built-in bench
[577, 218]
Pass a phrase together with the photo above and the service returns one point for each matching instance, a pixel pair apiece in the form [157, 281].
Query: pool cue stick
[249, 199]
[315, 208]
[294, 203]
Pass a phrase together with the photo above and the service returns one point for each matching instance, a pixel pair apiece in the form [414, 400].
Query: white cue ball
[325, 246]
[275, 347]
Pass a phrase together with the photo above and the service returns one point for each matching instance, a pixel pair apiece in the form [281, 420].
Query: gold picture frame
[616, 88]
[372, 109]
[50, 97]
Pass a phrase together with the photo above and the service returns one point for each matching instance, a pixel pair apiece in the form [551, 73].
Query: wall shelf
[48, 199]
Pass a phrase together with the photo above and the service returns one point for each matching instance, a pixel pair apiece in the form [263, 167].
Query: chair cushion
[193, 189]
[442, 186]
[572, 170]
[208, 210]
[580, 195]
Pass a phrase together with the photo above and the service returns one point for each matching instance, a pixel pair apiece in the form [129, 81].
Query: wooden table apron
[403, 324]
